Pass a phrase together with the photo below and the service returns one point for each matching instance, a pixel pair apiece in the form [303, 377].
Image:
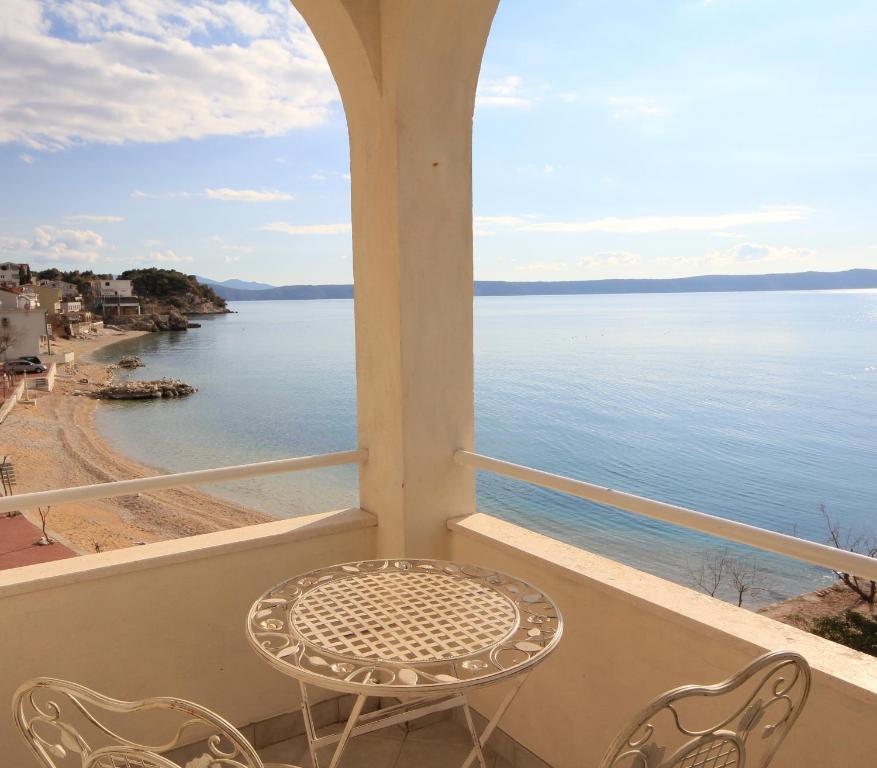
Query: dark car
[24, 366]
[30, 359]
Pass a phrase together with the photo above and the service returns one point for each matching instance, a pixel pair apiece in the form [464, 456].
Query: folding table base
[358, 724]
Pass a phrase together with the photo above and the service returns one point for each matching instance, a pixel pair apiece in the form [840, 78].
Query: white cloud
[159, 195]
[499, 221]
[611, 259]
[502, 92]
[226, 246]
[231, 259]
[128, 70]
[543, 266]
[743, 256]
[749, 252]
[488, 226]
[247, 195]
[169, 256]
[645, 224]
[237, 248]
[307, 229]
[635, 108]
[53, 244]
[221, 193]
[95, 218]
[26, 158]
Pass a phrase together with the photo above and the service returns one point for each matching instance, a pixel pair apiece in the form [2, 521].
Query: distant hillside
[247, 285]
[286, 292]
[796, 281]
[163, 289]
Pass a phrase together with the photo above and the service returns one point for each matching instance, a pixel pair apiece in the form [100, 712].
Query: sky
[633, 138]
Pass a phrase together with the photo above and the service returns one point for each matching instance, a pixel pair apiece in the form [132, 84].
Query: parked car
[31, 359]
[24, 366]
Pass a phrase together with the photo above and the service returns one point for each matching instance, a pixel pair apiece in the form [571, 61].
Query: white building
[68, 290]
[22, 332]
[19, 299]
[120, 288]
[71, 305]
[10, 272]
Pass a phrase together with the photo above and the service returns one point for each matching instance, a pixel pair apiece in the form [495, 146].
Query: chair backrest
[742, 727]
[126, 757]
[65, 723]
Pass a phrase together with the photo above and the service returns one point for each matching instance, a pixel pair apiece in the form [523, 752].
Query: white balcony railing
[760, 538]
[799, 549]
[178, 479]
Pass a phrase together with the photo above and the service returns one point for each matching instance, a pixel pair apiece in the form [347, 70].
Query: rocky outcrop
[143, 390]
[207, 308]
[171, 321]
[130, 361]
[176, 321]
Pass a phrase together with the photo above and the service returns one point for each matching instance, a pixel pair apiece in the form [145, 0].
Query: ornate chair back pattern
[126, 757]
[65, 723]
[763, 702]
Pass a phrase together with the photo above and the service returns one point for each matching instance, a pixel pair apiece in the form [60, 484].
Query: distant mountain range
[246, 285]
[242, 290]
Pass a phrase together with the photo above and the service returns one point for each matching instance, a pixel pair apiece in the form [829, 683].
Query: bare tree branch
[861, 543]
[44, 516]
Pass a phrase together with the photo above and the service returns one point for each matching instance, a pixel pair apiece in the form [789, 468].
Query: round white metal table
[425, 632]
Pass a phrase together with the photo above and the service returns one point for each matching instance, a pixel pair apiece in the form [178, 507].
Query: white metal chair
[67, 725]
[752, 713]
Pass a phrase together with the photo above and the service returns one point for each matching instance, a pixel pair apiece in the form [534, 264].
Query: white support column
[407, 71]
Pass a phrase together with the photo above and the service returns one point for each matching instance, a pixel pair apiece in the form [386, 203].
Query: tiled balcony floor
[444, 744]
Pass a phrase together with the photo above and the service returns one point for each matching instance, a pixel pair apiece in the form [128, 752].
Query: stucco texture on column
[407, 71]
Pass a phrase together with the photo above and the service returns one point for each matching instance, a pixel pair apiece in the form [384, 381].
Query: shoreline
[56, 444]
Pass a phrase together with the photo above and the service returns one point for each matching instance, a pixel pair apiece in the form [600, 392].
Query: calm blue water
[757, 407]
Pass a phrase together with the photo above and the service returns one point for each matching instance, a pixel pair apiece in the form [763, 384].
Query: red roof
[17, 537]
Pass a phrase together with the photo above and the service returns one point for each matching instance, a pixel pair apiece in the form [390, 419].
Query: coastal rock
[153, 321]
[142, 323]
[144, 390]
[176, 321]
[130, 361]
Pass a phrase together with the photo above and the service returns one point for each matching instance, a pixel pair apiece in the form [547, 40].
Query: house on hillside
[114, 297]
[68, 290]
[72, 305]
[10, 273]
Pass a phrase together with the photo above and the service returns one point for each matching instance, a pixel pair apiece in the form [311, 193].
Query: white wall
[113, 287]
[630, 636]
[165, 618]
[25, 327]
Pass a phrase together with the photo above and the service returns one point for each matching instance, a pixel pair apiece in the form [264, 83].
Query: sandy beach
[55, 444]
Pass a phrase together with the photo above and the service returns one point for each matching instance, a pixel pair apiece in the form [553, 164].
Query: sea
[756, 407]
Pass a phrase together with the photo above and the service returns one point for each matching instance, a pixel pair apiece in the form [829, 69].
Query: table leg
[479, 752]
[345, 734]
[479, 742]
[311, 730]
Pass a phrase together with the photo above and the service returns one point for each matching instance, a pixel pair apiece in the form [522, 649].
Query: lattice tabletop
[388, 626]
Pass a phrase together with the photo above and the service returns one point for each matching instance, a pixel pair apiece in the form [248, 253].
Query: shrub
[853, 629]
